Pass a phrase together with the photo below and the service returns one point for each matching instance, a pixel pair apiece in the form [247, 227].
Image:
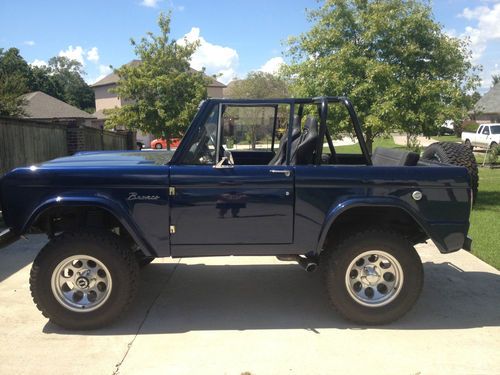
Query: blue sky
[236, 36]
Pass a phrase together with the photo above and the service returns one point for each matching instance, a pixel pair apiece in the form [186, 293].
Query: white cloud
[150, 3]
[38, 63]
[93, 54]
[30, 43]
[487, 27]
[272, 65]
[214, 58]
[181, 8]
[76, 53]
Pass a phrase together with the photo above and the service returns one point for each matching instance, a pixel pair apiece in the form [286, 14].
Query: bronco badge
[133, 196]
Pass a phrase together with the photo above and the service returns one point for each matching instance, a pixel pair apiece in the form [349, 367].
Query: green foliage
[391, 58]
[161, 92]
[495, 78]
[470, 127]
[65, 82]
[258, 85]
[13, 82]
[62, 79]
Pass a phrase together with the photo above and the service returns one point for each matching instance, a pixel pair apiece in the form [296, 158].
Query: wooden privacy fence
[25, 142]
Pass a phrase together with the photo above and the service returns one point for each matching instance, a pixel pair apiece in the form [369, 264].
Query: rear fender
[337, 210]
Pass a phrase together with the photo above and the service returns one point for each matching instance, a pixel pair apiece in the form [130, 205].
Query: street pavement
[256, 315]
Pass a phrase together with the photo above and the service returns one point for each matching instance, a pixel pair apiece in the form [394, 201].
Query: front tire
[373, 277]
[84, 280]
[158, 146]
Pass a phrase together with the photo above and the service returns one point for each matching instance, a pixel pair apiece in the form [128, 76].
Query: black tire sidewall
[101, 247]
[346, 251]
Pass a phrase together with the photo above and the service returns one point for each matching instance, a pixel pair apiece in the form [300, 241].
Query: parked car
[160, 143]
[447, 128]
[356, 216]
[486, 136]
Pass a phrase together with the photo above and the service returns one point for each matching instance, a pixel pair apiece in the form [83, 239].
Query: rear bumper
[7, 237]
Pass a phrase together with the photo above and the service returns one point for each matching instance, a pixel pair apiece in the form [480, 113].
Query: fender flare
[103, 202]
[335, 211]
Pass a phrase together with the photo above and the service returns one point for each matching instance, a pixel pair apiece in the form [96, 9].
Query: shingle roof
[39, 105]
[490, 102]
[113, 78]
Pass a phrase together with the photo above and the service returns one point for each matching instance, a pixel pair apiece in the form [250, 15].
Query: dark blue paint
[243, 210]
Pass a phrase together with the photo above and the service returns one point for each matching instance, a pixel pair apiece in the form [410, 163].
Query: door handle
[286, 172]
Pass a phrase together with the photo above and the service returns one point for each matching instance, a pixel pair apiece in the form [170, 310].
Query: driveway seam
[129, 345]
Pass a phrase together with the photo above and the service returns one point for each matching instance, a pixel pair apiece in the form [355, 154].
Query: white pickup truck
[486, 136]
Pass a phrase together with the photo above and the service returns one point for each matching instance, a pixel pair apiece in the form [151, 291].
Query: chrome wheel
[374, 278]
[81, 283]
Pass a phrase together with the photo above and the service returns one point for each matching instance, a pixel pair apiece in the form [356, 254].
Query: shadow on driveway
[183, 298]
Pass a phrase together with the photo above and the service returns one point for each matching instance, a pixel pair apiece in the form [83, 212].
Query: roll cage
[322, 103]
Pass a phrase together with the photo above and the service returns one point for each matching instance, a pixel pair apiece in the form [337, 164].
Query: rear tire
[84, 280]
[158, 146]
[372, 277]
[455, 154]
[468, 144]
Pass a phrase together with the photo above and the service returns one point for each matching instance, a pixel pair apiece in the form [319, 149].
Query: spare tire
[455, 154]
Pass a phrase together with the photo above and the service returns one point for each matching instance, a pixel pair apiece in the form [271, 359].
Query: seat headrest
[311, 124]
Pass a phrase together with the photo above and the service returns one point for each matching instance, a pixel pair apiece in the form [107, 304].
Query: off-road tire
[455, 154]
[103, 246]
[335, 262]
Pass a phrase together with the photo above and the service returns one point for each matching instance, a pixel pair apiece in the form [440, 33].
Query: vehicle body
[447, 128]
[161, 143]
[486, 136]
[294, 201]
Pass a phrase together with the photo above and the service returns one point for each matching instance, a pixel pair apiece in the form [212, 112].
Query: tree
[66, 81]
[495, 79]
[14, 72]
[258, 85]
[161, 92]
[62, 79]
[391, 58]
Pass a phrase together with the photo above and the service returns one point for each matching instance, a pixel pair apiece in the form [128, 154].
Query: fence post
[75, 137]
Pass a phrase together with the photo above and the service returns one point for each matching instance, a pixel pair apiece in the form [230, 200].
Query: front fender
[336, 210]
[100, 201]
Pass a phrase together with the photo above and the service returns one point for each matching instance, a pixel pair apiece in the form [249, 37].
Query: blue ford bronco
[250, 177]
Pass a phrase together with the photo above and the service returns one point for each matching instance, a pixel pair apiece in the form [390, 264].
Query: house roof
[39, 105]
[490, 102]
[113, 78]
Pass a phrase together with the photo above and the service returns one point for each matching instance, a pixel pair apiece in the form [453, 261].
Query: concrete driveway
[257, 315]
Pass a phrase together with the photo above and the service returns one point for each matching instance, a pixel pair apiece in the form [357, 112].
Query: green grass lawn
[447, 138]
[485, 218]
[354, 149]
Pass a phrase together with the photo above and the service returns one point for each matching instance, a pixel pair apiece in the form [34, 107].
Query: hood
[111, 159]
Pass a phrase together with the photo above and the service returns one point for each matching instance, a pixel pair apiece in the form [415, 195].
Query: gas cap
[417, 195]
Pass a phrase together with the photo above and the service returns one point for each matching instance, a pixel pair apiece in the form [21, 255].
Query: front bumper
[7, 237]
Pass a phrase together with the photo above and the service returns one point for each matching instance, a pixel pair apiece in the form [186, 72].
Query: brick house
[487, 109]
[104, 99]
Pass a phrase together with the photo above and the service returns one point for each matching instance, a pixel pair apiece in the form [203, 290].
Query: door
[218, 202]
